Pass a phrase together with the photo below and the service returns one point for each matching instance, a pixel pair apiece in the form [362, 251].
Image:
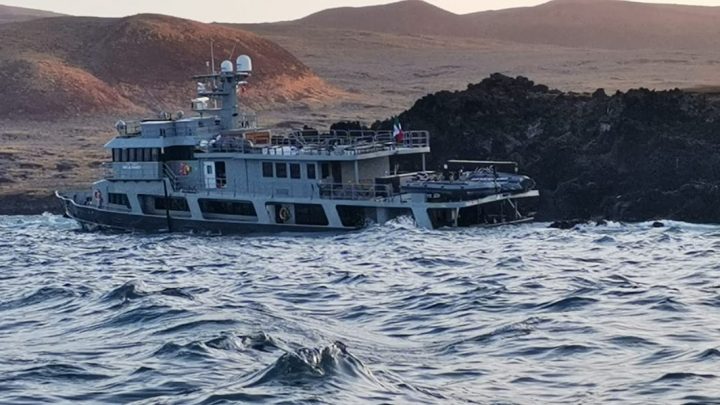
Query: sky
[250, 11]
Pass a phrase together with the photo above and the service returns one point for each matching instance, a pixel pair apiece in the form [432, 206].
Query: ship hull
[498, 209]
[92, 218]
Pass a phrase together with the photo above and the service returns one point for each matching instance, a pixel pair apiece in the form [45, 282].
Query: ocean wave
[616, 313]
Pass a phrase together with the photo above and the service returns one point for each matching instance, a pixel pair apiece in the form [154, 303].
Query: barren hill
[411, 17]
[606, 24]
[81, 65]
[609, 24]
[17, 14]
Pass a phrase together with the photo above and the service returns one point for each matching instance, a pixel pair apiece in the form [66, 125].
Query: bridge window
[294, 170]
[267, 169]
[124, 155]
[311, 171]
[281, 170]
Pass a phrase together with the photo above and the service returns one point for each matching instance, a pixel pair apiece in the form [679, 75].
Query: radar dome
[244, 64]
[226, 67]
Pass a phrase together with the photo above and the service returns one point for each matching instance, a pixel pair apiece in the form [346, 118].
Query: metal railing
[128, 129]
[355, 191]
[335, 143]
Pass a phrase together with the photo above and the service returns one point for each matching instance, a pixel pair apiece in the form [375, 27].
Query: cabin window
[131, 155]
[267, 169]
[162, 131]
[311, 171]
[310, 214]
[116, 155]
[241, 208]
[178, 153]
[124, 155]
[294, 170]
[146, 155]
[118, 199]
[172, 204]
[351, 216]
[325, 170]
[281, 170]
[155, 155]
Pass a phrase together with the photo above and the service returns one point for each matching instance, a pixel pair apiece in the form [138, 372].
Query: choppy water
[624, 313]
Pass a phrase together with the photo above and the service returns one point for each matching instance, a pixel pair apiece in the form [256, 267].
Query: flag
[398, 133]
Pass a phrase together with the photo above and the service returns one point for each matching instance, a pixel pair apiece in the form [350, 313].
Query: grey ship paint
[218, 171]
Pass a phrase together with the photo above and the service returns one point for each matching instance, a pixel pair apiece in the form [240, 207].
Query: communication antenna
[232, 53]
[212, 55]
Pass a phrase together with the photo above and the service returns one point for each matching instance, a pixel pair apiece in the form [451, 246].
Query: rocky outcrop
[630, 156]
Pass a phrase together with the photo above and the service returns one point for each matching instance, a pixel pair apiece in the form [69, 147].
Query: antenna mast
[212, 55]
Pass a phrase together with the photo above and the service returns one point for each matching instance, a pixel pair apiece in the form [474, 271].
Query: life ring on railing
[283, 214]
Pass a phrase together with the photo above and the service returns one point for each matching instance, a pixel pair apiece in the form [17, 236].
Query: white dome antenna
[244, 64]
[226, 67]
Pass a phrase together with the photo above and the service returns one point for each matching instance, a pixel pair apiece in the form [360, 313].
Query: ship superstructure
[219, 171]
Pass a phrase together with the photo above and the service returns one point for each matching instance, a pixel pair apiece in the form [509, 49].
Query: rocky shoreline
[29, 204]
[634, 156]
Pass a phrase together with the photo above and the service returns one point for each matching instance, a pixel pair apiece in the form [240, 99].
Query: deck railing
[355, 191]
[335, 143]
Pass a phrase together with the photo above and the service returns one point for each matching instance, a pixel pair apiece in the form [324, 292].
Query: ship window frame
[131, 155]
[155, 155]
[311, 174]
[242, 208]
[268, 169]
[295, 171]
[124, 155]
[281, 170]
[179, 204]
[119, 199]
[310, 214]
[325, 170]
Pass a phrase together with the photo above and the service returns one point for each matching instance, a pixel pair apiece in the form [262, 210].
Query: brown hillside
[606, 24]
[413, 17]
[136, 63]
[18, 14]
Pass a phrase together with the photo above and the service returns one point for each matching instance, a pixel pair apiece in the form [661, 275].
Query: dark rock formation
[631, 156]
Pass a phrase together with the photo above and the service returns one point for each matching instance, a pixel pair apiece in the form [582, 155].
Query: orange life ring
[284, 214]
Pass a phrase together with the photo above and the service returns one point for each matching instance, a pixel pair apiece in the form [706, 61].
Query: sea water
[390, 314]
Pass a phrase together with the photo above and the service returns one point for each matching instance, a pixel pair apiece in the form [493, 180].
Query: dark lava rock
[658, 224]
[631, 156]
[567, 224]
